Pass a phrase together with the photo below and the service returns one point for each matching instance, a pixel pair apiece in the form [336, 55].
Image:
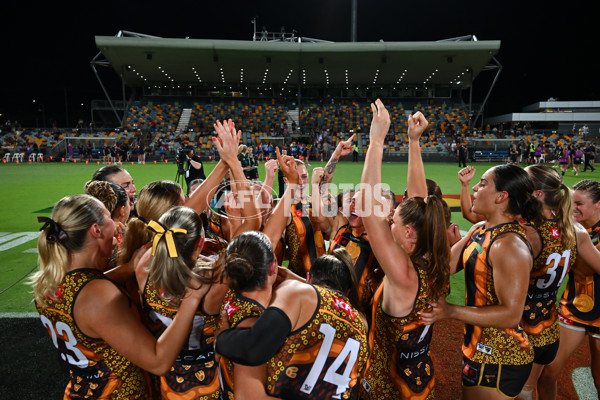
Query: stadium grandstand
[280, 87]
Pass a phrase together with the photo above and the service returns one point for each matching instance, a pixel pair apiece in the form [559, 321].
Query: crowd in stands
[158, 130]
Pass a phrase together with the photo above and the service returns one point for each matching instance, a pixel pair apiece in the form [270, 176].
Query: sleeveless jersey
[564, 158]
[540, 315]
[490, 345]
[97, 371]
[238, 309]
[215, 230]
[325, 357]
[304, 239]
[368, 272]
[194, 374]
[400, 364]
[578, 302]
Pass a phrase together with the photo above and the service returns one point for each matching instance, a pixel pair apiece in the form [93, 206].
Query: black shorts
[545, 355]
[507, 379]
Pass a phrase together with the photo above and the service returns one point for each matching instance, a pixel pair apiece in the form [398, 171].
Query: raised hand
[288, 167]
[271, 168]
[466, 174]
[317, 175]
[380, 125]
[227, 141]
[344, 147]
[417, 124]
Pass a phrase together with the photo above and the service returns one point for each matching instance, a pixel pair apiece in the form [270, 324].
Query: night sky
[546, 51]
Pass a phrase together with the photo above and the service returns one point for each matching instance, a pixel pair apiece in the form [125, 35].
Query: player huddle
[175, 299]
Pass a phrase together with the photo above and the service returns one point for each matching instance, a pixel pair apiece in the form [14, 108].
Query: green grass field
[30, 190]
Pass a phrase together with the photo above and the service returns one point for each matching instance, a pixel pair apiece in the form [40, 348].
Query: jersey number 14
[342, 381]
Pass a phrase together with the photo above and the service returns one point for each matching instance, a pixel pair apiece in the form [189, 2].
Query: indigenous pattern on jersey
[490, 345]
[368, 272]
[304, 239]
[194, 374]
[400, 365]
[540, 315]
[578, 301]
[215, 229]
[238, 309]
[96, 370]
[323, 359]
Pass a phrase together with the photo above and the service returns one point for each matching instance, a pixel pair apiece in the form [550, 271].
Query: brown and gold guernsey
[325, 358]
[238, 308]
[97, 371]
[368, 272]
[400, 364]
[304, 239]
[194, 374]
[215, 228]
[490, 345]
[578, 302]
[540, 315]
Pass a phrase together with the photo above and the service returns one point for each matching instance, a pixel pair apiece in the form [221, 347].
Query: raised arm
[392, 258]
[321, 201]
[270, 172]
[465, 175]
[277, 222]
[199, 200]
[226, 142]
[416, 186]
[343, 149]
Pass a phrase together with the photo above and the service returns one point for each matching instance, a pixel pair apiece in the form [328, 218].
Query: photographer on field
[194, 168]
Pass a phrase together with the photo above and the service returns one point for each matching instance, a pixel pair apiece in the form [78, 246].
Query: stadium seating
[158, 121]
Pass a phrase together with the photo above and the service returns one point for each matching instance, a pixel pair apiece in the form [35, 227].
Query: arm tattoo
[329, 168]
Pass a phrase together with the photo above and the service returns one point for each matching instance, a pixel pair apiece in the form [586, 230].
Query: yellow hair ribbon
[167, 234]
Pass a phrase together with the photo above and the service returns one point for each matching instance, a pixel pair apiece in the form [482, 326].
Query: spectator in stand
[585, 131]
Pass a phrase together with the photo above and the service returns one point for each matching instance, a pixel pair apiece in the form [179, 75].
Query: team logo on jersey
[554, 232]
[343, 306]
[59, 292]
[229, 308]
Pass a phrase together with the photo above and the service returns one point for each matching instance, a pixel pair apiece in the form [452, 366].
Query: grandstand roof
[150, 61]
